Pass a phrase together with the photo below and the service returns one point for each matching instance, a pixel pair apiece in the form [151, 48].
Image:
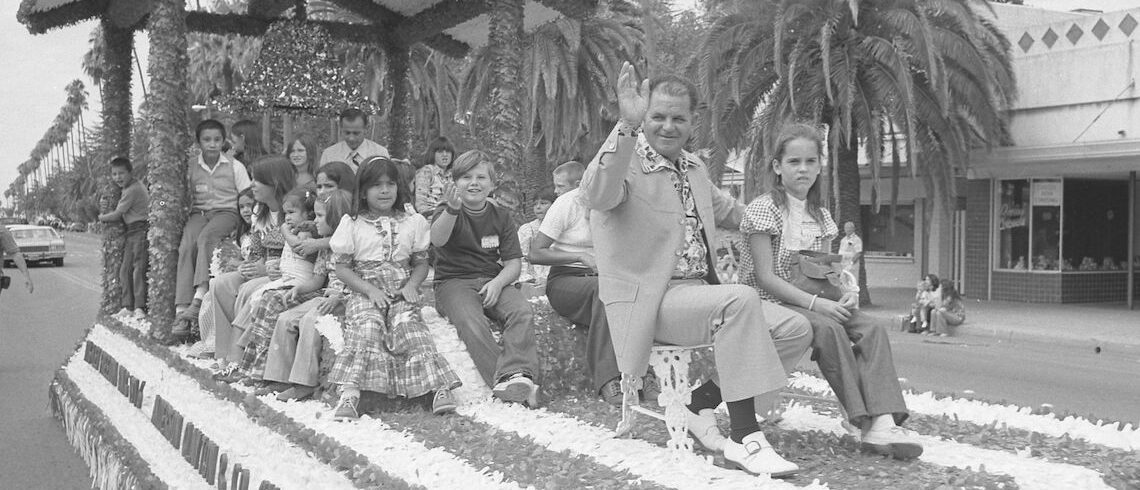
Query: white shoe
[139, 313]
[703, 427]
[517, 389]
[895, 442]
[123, 312]
[755, 455]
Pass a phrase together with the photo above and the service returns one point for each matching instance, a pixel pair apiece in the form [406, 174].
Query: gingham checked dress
[386, 351]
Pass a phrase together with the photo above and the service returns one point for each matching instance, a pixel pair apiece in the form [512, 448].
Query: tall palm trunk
[399, 118]
[116, 90]
[506, 44]
[169, 138]
[848, 182]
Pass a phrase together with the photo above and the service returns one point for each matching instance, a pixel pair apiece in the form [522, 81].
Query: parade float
[145, 415]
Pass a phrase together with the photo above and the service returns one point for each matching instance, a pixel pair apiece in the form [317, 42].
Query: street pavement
[37, 333]
[996, 359]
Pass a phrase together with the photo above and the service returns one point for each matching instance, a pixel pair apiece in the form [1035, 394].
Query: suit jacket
[637, 222]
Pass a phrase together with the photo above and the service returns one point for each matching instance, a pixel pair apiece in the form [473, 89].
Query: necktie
[355, 157]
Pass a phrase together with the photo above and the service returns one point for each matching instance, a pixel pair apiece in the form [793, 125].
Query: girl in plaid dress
[381, 255]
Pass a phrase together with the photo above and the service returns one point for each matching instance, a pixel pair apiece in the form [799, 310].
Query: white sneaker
[139, 313]
[123, 312]
[895, 442]
[517, 389]
[703, 427]
[755, 455]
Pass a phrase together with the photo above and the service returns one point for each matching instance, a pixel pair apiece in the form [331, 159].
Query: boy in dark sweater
[477, 261]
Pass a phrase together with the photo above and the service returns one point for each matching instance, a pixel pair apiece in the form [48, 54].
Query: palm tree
[569, 69]
[169, 139]
[938, 72]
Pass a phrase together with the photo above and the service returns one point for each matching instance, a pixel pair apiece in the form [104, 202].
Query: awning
[1105, 159]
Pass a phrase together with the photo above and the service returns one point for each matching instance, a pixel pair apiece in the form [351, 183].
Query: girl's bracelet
[812, 304]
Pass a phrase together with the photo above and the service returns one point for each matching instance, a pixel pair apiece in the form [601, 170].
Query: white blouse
[389, 239]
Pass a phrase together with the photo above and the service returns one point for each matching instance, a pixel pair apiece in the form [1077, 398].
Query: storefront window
[1013, 225]
[878, 237]
[1047, 200]
[1096, 225]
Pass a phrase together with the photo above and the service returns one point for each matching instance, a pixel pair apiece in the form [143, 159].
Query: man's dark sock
[742, 419]
[707, 395]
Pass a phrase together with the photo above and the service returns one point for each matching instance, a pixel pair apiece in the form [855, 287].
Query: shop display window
[1013, 225]
[1095, 225]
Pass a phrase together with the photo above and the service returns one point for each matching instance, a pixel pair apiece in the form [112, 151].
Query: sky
[37, 68]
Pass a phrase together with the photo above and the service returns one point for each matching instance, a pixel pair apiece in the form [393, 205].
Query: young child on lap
[293, 359]
[477, 261]
[381, 255]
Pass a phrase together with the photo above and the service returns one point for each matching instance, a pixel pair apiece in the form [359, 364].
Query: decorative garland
[97, 440]
[362, 472]
[297, 73]
[39, 22]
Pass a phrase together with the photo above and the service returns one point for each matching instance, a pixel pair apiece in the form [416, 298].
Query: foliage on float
[362, 472]
[113, 461]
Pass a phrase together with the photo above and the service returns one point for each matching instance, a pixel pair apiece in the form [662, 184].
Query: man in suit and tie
[353, 148]
[654, 213]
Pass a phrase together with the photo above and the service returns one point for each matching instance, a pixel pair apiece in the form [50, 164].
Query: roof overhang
[1096, 158]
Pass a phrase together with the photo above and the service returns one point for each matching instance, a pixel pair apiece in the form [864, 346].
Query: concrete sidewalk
[1092, 325]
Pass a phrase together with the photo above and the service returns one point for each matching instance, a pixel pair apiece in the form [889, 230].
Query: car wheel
[58, 262]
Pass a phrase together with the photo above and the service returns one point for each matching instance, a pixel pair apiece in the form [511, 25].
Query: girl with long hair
[432, 176]
[302, 153]
[851, 348]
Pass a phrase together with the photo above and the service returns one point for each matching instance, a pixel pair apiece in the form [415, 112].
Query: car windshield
[38, 233]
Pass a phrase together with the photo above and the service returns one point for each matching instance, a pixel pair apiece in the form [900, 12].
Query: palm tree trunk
[169, 137]
[848, 182]
[399, 118]
[506, 45]
[116, 88]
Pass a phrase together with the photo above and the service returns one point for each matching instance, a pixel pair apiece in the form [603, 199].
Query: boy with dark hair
[477, 261]
[132, 210]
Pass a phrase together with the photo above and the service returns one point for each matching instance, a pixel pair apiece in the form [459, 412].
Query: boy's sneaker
[518, 388]
[346, 408]
[139, 313]
[895, 442]
[443, 403]
[124, 311]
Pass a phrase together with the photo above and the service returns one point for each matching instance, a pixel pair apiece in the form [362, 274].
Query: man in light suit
[654, 213]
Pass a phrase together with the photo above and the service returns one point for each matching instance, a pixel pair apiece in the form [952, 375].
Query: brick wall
[978, 203]
[1029, 287]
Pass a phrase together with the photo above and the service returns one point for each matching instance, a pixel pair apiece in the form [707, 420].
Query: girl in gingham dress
[851, 347]
[381, 255]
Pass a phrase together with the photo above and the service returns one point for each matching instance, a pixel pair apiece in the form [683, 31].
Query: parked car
[39, 243]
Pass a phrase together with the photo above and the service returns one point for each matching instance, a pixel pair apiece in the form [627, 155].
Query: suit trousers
[574, 295]
[203, 231]
[731, 317]
[459, 301]
[855, 359]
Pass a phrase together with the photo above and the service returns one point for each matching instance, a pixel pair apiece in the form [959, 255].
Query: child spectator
[132, 210]
[276, 296]
[925, 299]
[534, 274]
[215, 181]
[219, 266]
[567, 177]
[431, 178]
[246, 144]
[477, 261]
[951, 312]
[295, 347]
[381, 255]
[335, 175]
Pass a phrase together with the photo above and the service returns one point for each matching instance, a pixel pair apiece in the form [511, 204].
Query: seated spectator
[293, 360]
[477, 261]
[564, 242]
[851, 348]
[215, 181]
[243, 240]
[950, 312]
[432, 176]
[381, 255]
[925, 297]
[302, 153]
[534, 274]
